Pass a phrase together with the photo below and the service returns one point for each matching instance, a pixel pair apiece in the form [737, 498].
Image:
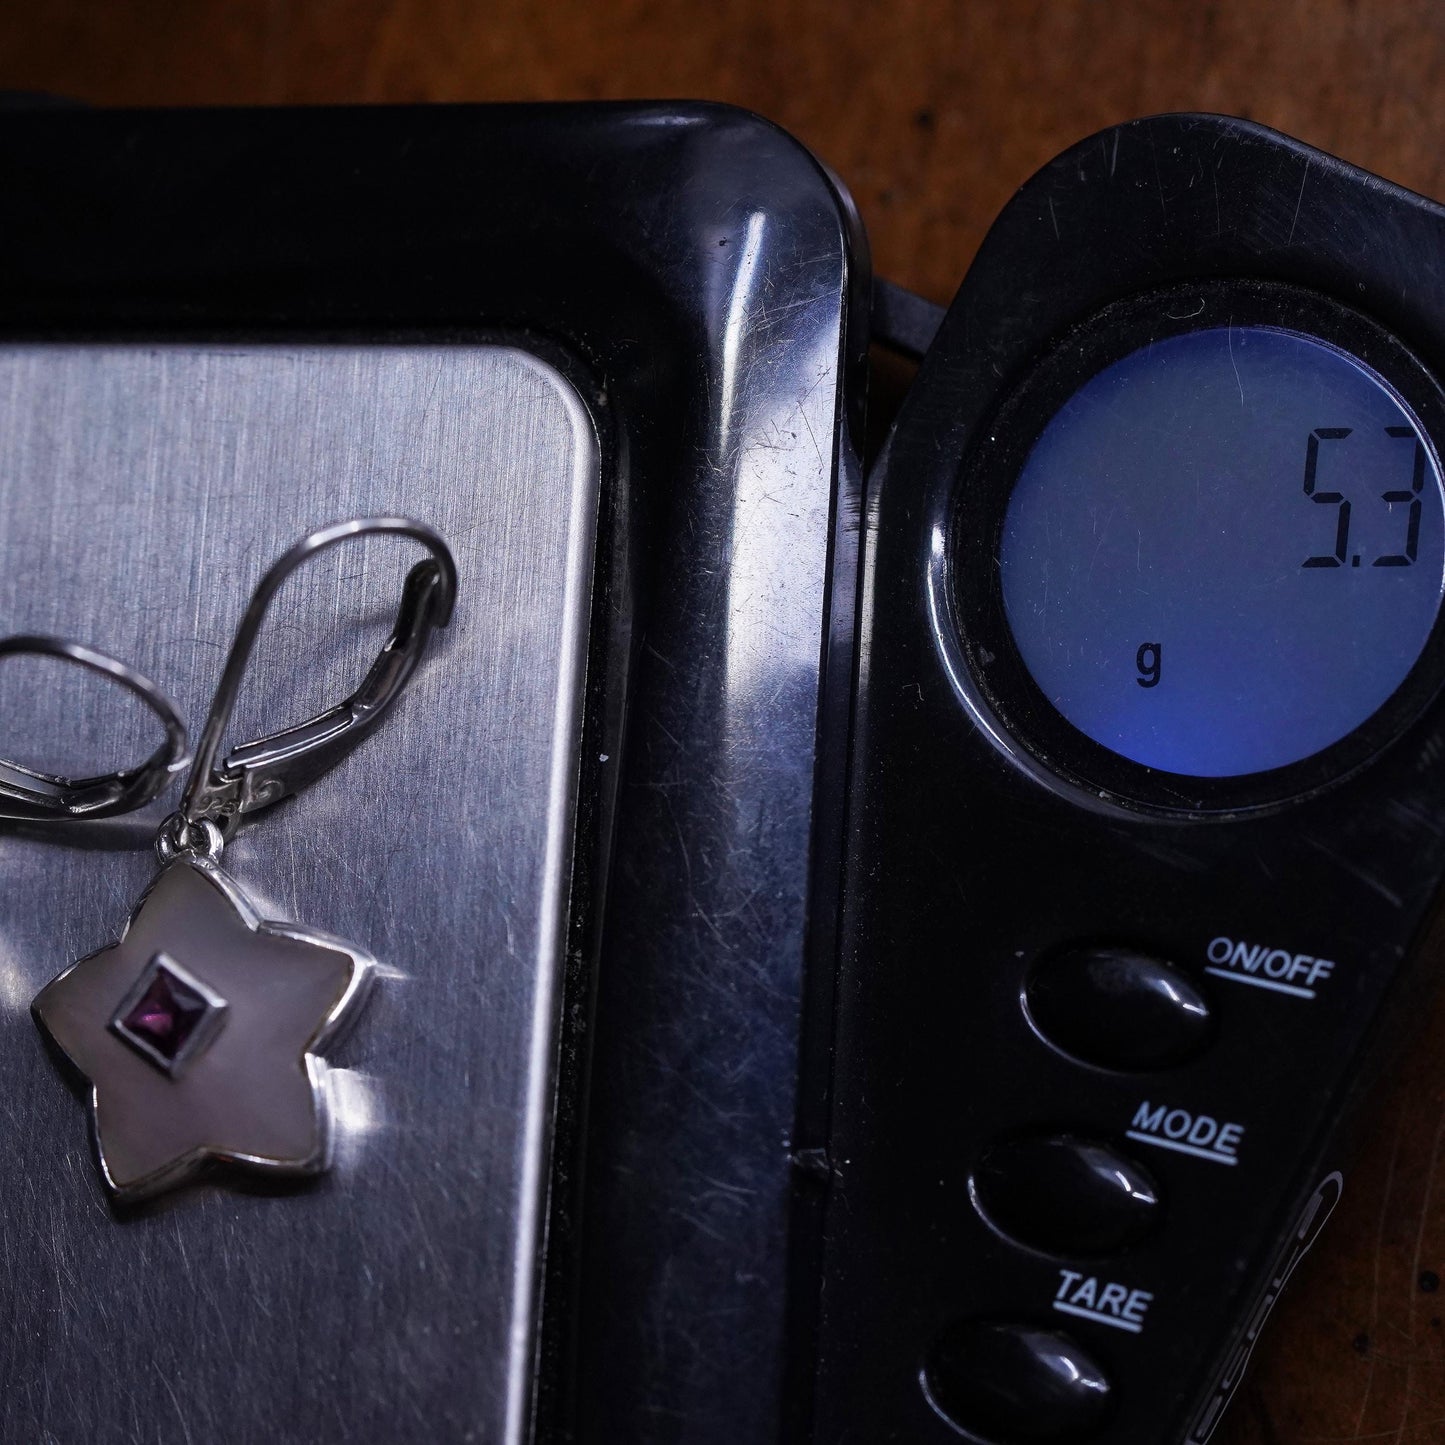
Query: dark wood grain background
[933, 111]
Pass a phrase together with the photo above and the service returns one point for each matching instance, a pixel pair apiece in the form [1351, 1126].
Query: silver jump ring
[178, 838]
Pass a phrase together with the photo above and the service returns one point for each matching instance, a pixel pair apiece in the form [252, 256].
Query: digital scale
[862, 962]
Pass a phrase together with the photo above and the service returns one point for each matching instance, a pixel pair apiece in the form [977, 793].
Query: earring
[32, 796]
[201, 1029]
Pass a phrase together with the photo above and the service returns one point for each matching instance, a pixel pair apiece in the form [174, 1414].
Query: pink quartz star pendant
[200, 1033]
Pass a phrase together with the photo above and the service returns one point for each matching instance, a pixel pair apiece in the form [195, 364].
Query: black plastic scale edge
[968, 860]
[591, 234]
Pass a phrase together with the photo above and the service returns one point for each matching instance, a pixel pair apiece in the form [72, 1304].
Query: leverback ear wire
[257, 774]
[32, 796]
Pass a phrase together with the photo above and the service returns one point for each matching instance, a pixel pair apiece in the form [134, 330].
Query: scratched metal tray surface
[143, 490]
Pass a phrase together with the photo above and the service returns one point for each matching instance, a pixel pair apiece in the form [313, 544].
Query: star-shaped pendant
[199, 1032]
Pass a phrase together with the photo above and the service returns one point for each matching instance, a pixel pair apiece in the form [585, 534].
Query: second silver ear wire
[29, 795]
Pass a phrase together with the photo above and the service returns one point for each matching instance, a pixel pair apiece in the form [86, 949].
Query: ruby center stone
[168, 1014]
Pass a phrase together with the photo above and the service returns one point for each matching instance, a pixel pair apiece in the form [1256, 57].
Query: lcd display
[1225, 551]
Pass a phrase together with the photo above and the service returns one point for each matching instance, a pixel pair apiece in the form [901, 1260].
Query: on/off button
[1118, 1008]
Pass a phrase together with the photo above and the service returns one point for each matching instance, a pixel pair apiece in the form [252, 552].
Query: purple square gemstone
[168, 1014]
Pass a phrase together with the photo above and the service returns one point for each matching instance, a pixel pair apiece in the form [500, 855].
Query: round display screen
[1225, 551]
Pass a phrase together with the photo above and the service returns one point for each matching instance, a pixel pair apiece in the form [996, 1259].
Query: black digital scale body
[957, 1003]
[1098, 1021]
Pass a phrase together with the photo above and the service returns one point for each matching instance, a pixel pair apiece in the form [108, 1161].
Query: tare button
[1009, 1380]
[1264, 965]
[1200, 1135]
[1106, 1302]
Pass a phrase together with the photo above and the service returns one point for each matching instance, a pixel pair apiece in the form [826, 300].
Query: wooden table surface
[933, 111]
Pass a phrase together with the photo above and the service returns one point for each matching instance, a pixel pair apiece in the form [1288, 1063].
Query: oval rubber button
[1118, 1008]
[1064, 1194]
[1016, 1384]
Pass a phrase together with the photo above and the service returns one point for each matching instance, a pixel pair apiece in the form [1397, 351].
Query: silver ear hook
[257, 774]
[34, 796]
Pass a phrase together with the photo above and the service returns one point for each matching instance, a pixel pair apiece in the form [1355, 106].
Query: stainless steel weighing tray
[701, 282]
[143, 489]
